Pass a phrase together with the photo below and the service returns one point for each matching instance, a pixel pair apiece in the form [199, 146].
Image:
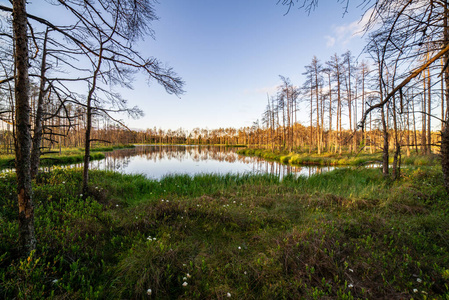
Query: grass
[67, 156]
[344, 234]
[331, 159]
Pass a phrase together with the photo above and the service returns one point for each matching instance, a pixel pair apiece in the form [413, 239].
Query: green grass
[346, 234]
[331, 159]
[67, 156]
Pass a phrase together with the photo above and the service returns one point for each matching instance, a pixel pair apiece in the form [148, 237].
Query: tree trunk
[38, 128]
[445, 131]
[429, 111]
[27, 239]
[385, 155]
[87, 149]
[445, 155]
[89, 124]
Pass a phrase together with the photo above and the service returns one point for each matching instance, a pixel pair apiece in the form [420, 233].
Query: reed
[331, 159]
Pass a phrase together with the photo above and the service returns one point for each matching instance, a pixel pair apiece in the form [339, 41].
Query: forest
[352, 233]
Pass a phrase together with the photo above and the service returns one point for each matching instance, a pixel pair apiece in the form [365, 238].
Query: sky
[230, 55]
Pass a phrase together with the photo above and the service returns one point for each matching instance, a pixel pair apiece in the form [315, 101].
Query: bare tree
[126, 22]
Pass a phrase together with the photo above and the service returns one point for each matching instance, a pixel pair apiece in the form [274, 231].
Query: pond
[155, 162]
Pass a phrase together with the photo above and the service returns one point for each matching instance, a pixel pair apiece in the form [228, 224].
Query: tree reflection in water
[156, 161]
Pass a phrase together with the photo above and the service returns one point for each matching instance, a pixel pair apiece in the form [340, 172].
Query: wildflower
[351, 270]
[168, 201]
[185, 283]
[415, 290]
[55, 281]
[419, 280]
[116, 205]
[350, 285]
[188, 275]
[184, 278]
[228, 295]
[149, 292]
[240, 248]
[81, 195]
[244, 273]
[163, 200]
[154, 239]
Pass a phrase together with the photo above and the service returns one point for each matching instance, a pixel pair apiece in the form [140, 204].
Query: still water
[155, 162]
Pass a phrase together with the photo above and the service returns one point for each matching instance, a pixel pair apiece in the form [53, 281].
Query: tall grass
[66, 156]
[332, 159]
[341, 235]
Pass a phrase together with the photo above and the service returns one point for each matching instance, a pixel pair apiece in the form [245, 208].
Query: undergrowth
[346, 234]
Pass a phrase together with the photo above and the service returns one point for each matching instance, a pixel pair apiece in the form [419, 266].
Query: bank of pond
[344, 234]
[336, 159]
[156, 160]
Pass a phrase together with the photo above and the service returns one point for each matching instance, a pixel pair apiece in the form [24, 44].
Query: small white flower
[188, 275]
[351, 270]
[154, 239]
[415, 290]
[240, 248]
[163, 200]
[63, 182]
[149, 292]
[81, 195]
[116, 205]
[244, 273]
[233, 201]
[184, 278]
[55, 281]
[228, 295]
[419, 280]
[185, 283]
[184, 265]
[350, 285]
[168, 201]
[136, 217]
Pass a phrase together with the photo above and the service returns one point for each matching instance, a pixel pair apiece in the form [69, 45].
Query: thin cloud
[330, 41]
[343, 34]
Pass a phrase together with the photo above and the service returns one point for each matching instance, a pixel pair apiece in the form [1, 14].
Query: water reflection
[156, 161]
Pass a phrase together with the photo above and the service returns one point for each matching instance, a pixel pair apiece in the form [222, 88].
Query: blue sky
[231, 53]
